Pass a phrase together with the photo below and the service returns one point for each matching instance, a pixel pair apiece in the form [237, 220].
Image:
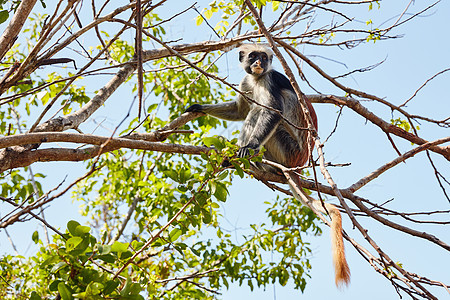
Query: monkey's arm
[231, 111]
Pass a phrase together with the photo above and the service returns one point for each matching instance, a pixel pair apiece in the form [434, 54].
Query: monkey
[268, 120]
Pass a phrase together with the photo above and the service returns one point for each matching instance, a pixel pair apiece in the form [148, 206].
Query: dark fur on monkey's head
[256, 59]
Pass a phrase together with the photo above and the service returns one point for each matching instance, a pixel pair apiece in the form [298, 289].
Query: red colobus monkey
[284, 143]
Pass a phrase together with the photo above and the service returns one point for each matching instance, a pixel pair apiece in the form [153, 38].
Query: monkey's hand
[246, 151]
[195, 108]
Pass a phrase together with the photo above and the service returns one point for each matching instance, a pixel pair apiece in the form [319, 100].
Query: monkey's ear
[241, 56]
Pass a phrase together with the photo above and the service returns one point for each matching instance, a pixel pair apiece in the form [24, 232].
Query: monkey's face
[255, 63]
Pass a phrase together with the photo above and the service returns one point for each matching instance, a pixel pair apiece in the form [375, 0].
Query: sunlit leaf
[64, 291]
[175, 234]
[35, 237]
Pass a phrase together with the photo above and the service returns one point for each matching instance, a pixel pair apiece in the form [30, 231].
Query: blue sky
[409, 62]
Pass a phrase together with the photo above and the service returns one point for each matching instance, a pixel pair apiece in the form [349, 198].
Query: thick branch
[18, 157]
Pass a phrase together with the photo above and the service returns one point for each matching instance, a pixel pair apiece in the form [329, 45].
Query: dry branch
[363, 181]
[357, 107]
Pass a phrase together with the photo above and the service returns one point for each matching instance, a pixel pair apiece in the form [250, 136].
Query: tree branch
[385, 126]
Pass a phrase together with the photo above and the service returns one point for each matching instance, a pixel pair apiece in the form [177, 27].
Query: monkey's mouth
[257, 70]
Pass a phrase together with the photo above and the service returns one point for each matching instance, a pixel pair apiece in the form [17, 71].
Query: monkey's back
[281, 86]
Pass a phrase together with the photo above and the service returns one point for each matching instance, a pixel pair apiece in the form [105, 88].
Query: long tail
[341, 269]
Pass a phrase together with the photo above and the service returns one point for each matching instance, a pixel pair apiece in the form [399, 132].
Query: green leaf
[71, 227]
[73, 242]
[50, 260]
[206, 216]
[82, 230]
[196, 252]
[94, 288]
[108, 258]
[35, 237]
[152, 107]
[172, 174]
[126, 288]
[110, 286]
[137, 245]
[250, 284]
[3, 16]
[221, 192]
[54, 285]
[104, 249]
[75, 229]
[222, 175]
[81, 295]
[64, 291]
[58, 266]
[182, 188]
[215, 141]
[81, 247]
[119, 247]
[35, 296]
[175, 234]
[238, 170]
[135, 288]
[184, 175]
[126, 254]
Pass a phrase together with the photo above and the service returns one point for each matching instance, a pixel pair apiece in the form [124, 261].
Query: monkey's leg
[258, 128]
[282, 148]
